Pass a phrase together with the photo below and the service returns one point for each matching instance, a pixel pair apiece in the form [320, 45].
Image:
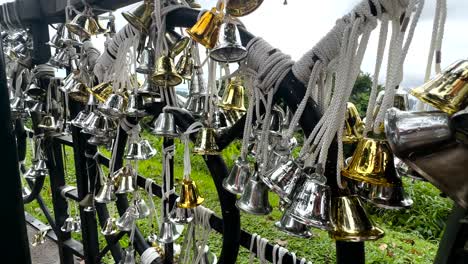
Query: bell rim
[245, 208]
[134, 22]
[214, 54]
[305, 234]
[369, 235]
[436, 102]
[229, 188]
[319, 224]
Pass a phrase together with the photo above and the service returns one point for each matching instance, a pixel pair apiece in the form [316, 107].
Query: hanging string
[202, 218]
[252, 242]
[193, 128]
[168, 153]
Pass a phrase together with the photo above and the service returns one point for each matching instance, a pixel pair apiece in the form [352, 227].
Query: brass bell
[206, 30]
[351, 221]
[176, 43]
[372, 162]
[102, 91]
[240, 8]
[185, 66]
[448, 91]
[189, 195]
[85, 26]
[140, 17]
[205, 143]
[233, 97]
[354, 126]
[165, 73]
[230, 49]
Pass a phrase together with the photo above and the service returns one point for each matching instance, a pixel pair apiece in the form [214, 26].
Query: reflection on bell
[25, 192]
[68, 225]
[393, 197]
[401, 100]
[205, 143]
[142, 208]
[408, 132]
[185, 66]
[351, 221]
[100, 126]
[240, 8]
[236, 180]
[196, 104]
[127, 220]
[165, 73]
[146, 62]
[290, 226]
[169, 232]
[79, 119]
[181, 215]
[102, 91]
[254, 199]
[140, 17]
[114, 106]
[208, 257]
[284, 179]
[48, 123]
[34, 90]
[128, 256]
[85, 26]
[125, 180]
[311, 204]
[109, 227]
[354, 126]
[189, 195]
[134, 106]
[106, 193]
[88, 202]
[164, 126]
[233, 97]
[230, 49]
[448, 91]
[206, 30]
[372, 162]
[198, 84]
[176, 43]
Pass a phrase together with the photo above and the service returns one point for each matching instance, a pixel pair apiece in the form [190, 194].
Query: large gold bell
[351, 221]
[206, 142]
[372, 162]
[240, 8]
[206, 30]
[85, 26]
[233, 97]
[102, 91]
[165, 73]
[354, 126]
[448, 91]
[140, 17]
[189, 195]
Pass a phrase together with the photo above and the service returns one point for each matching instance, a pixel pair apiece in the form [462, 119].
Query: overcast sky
[297, 27]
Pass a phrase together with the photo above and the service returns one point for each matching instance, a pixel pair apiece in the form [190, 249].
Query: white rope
[153, 211]
[149, 255]
[252, 243]
[194, 127]
[168, 153]
[202, 219]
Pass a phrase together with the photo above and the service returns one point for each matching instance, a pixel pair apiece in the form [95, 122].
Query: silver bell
[68, 225]
[181, 216]
[113, 106]
[109, 227]
[165, 126]
[135, 103]
[238, 178]
[146, 61]
[128, 256]
[142, 208]
[292, 227]
[254, 199]
[230, 49]
[106, 193]
[169, 232]
[284, 179]
[127, 220]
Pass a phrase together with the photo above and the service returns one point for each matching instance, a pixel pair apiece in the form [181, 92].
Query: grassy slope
[411, 235]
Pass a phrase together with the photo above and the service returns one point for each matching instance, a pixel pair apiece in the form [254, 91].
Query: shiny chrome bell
[134, 106]
[127, 220]
[169, 232]
[165, 126]
[198, 84]
[196, 104]
[181, 215]
[34, 90]
[143, 210]
[284, 179]
[128, 256]
[351, 221]
[146, 62]
[230, 49]
[408, 132]
[189, 195]
[205, 144]
[254, 199]
[48, 123]
[206, 30]
[141, 150]
[124, 179]
[166, 73]
[448, 91]
[106, 193]
[79, 119]
[393, 197]
[68, 225]
[88, 202]
[311, 204]
[109, 227]
[238, 178]
[85, 26]
[114, 106]
[292, 227]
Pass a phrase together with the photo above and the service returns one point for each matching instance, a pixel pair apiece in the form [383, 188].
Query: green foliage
[361, 92]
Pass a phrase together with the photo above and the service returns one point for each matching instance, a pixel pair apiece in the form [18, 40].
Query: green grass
[411, 235]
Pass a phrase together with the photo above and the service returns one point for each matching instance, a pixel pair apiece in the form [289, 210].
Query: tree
[361, 92]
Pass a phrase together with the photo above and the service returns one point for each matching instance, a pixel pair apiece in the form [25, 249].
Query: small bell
[146, 65]
[79, 119]
[165, 73]
[196, 104]
[140, 18]
[354, 126]
[233, 97]
[164, 126]
[393, 197]
[169, 232]
[176, 43]
[205, 143]
[292, 227]
[284, 180]
[127, 220]
[181, 216]
[88, 202]
[142, 208]
[206, 30]
[48, 123]
[230, 49]
[124, 177]
[238, 178]
[106, 193]
[109, 227]
[128, 256]
[254, 199]
[85, 26]
[114, 106]
[68, 225]
[185, 66]
[189, 195]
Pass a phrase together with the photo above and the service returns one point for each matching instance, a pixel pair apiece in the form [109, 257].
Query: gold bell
[372, 162]
[233, 97]
[448, 91]
[189, 195]
[85, 26]
[185, 66]
[354, 126]
[351, 221]
[206, 142]
[140, 17]
[165, 73]
[206, 30]
[176, 43]
[102, 91]
[240, 8]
